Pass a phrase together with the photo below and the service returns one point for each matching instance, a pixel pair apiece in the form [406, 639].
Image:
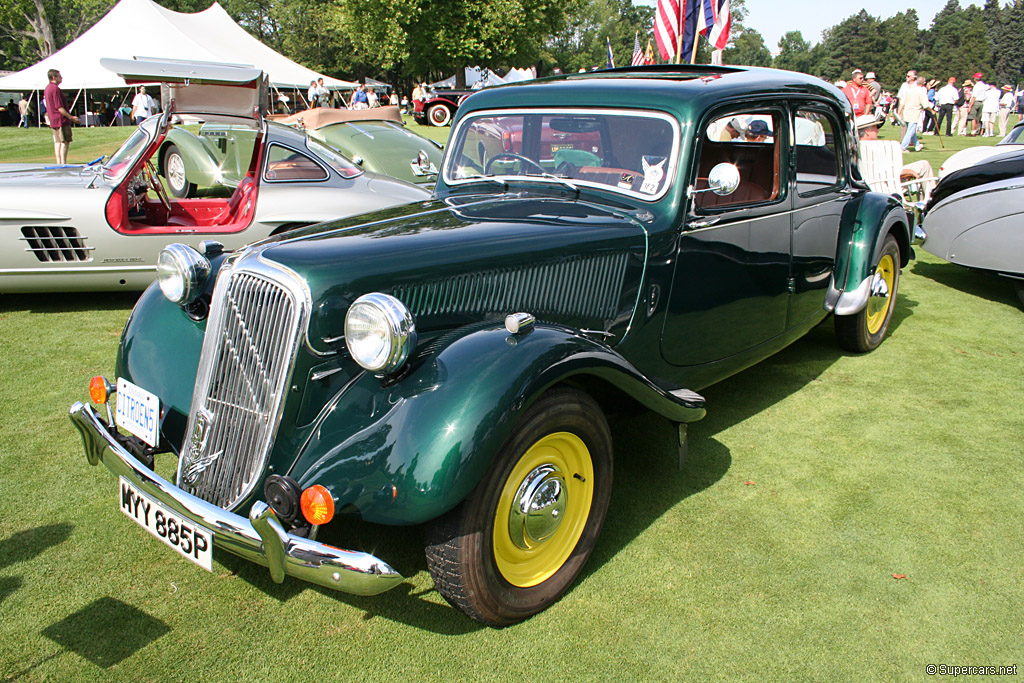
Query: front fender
[866, 222]
[410, 451]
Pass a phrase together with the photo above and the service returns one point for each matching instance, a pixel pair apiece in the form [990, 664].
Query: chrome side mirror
[724, 179]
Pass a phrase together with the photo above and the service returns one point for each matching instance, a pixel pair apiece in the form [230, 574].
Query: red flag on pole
[718, 34]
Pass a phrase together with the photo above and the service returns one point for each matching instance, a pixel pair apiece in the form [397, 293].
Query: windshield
[1015, 137]
[124, 158]
[632, 153]
[344, 167]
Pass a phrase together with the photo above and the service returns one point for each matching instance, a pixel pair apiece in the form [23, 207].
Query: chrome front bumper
[260, 538]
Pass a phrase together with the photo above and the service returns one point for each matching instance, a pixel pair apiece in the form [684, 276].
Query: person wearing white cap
[873, 86]
[732, 130]
[1006, 104]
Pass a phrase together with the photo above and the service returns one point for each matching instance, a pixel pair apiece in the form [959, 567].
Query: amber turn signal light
[100, 390]
[317, 505]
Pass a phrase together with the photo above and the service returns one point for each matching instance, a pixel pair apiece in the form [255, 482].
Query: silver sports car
[101, 226]
[974, 218]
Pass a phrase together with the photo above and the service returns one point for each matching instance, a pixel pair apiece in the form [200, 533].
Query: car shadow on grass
[63, 302]
[648, 478]
[648, 483]
[974, 282]
[402, 548]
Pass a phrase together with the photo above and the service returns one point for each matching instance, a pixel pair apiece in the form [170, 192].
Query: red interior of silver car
[134, 210]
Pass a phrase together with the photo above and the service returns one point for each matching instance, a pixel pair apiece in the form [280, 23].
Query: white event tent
[142, 28]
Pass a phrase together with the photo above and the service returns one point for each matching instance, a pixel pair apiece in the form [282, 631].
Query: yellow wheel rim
[878, 307]
[558, 462]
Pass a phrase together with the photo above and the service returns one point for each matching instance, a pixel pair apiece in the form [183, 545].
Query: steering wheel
[150, 176]
[514, 157]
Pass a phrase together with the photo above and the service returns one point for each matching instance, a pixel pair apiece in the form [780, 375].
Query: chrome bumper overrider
[260, 538]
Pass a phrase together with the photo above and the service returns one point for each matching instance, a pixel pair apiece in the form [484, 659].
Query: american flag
[710, 18]
[638, 53]
[666, 27]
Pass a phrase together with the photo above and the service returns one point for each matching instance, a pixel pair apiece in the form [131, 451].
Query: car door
[730, 290]
[821, 192]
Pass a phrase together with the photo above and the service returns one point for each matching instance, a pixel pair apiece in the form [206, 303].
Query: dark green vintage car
[620, 237]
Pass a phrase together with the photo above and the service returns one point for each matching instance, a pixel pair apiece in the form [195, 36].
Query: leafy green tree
[749, 50]
[31, 30]
[794, 53]
[854, 43]
[1009, 53]
[902, 48]
[580, 42]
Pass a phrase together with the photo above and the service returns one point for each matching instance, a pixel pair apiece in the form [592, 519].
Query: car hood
[464, 260]
[49, 175]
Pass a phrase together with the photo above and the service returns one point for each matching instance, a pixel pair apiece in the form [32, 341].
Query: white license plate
[192, 542]
[138, 411]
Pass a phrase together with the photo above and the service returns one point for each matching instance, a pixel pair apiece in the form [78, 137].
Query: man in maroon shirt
[858, 94]
[58, 115]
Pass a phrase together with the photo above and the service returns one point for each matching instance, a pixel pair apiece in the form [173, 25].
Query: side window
[817, 157]
[284, 163]
[749, 141]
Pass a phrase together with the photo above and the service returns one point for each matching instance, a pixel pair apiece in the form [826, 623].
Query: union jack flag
[638, 53]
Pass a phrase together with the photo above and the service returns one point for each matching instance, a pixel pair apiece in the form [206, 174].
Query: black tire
[439, 115]
[863, 331]
[1018, 285]
[472, 556]
[174, 172]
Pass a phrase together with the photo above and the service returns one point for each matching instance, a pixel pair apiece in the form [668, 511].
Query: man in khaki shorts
[59, 117]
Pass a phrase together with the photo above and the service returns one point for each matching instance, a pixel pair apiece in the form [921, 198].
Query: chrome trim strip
[80, 271]
[978, 190]
[751, 219]
[260, 538]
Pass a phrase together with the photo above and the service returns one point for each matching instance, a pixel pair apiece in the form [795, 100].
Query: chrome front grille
[246, 363]
[55, 243]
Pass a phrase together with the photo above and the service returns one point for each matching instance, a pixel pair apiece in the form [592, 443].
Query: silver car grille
[55, 243]
[245, 368]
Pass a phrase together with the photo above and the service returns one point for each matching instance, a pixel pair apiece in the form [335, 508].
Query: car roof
[686, 90]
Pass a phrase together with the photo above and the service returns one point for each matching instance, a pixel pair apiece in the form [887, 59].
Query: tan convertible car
[101, 226]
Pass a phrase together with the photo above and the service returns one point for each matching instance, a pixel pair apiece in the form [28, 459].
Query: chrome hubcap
[176, 171]
[538, 508]
[879, 287]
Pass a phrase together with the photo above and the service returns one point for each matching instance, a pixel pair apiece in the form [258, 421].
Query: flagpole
[696, 42]
[679, 32]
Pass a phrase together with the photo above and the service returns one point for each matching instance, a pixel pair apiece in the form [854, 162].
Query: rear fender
[866, 222]
[408, 452]
[200, 167]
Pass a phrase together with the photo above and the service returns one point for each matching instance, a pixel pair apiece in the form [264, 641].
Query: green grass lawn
[816, 476]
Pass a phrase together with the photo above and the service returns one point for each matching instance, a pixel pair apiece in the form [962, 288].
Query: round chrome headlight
[379, 332]
[181, 272]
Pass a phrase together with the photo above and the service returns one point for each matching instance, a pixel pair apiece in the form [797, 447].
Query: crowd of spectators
[920, 107]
